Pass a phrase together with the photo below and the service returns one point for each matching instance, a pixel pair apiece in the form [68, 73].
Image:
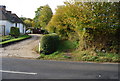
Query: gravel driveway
[22, 49]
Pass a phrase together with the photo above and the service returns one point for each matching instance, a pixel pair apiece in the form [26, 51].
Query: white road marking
[30, 73]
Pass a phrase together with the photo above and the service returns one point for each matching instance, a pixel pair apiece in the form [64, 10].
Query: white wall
[13, 24]
[7, 24]
[21, 28]
[24, 29]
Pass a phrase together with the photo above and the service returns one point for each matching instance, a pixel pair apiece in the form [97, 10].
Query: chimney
[2, 7]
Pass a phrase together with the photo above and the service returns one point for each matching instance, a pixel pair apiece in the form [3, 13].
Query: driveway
[22, 49]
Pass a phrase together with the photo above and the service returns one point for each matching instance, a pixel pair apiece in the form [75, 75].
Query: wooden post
[39, 46]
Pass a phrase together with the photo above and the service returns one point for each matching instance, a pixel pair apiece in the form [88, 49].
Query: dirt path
[22, 49]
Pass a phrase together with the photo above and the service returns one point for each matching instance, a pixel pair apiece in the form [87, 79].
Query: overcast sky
[27, 8]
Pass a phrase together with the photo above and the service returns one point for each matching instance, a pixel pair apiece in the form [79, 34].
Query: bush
[49, 43]
[14, 31]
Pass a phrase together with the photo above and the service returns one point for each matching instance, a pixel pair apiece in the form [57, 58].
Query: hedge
[49, 43]
[14, 31]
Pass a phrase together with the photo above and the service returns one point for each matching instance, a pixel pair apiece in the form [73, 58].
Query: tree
[28, 21]
[43, 16]
[90, 21]
[36, 18]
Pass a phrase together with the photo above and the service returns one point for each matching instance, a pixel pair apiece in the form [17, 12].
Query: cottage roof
[7, 15]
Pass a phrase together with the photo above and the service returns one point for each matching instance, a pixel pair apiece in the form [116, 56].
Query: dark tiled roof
[7, 15]
[16, 18]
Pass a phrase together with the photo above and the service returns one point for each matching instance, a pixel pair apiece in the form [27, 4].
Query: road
[20, 68]
[24, 49]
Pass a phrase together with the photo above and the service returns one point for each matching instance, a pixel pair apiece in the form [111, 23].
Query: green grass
[55, 56]
[67, 51]
[108, 57]
[15, 39]
[67, 45]
[60, 53]
[4, 38]
[92, 56]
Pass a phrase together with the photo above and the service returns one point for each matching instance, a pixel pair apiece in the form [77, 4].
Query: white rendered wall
[13, 24]
[24, 29]
[7, 24]
[21, 27]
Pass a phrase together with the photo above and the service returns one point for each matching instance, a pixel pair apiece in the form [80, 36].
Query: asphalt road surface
[19, 68]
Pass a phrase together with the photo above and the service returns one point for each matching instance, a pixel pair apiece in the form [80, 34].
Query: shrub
[14, 31]
[49, 43]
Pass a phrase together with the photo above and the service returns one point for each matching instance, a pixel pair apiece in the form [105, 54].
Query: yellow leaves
[78, 16]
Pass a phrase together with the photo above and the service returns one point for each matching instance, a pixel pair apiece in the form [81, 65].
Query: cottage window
[15, 24]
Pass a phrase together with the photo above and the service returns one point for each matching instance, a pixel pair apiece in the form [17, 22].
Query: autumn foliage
[94, 24]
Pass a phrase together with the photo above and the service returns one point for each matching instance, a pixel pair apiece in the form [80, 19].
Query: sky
[27, 8]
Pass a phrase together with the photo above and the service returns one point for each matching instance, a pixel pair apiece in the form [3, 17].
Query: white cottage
[8, 20]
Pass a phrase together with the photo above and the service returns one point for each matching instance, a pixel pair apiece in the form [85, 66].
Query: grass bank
[67, 51]
[9, 39]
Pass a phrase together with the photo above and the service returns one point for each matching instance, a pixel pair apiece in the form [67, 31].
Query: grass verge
[15, 39]
[67, 52]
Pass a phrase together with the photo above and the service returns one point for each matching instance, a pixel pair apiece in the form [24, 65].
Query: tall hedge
[14, 31]
[93, 24]
[49, 43]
